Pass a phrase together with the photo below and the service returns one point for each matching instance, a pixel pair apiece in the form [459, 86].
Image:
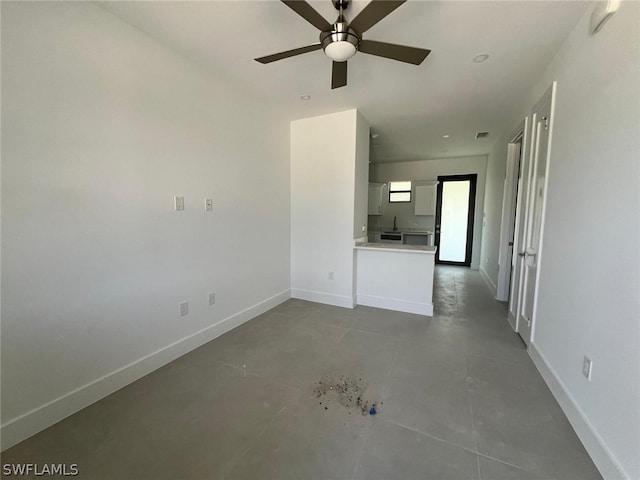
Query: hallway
[456, 397]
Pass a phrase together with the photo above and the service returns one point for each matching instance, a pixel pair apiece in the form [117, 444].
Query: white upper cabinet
[425, 198]
[376, 196]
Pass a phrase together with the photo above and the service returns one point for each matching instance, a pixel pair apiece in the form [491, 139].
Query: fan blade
[338, 75]
[402, 53]
[307, 12]
[375, 11]
[289, 53]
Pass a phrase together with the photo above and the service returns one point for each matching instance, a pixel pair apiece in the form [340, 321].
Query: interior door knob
[522, 254]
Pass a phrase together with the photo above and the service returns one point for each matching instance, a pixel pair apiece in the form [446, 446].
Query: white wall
[589, 291]
[496, 169]
[398, 280]
[361, 194]
[430, 170]
[323, 206]
[101, 127]
[589, 296]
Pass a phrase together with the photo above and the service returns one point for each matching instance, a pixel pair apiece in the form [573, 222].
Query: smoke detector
[482, 135]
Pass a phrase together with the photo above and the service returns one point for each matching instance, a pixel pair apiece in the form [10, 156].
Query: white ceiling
[410, 107]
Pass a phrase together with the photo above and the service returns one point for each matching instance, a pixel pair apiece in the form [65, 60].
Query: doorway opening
[519, 278]
[455, 211]
[511, 203]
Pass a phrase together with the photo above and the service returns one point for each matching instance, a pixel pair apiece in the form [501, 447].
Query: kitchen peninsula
[395, 277]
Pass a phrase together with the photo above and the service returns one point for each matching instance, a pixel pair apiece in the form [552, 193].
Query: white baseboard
[597, 449]
[323, 297]
[36, 420]
[489, 282]
[397, 305]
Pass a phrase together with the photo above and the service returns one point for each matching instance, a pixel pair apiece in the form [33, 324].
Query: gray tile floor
[457, 398]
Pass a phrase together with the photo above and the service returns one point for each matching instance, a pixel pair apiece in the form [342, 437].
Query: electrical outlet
[587, 366]
[178, 203]
[184, 308]
[330, 275]
[208, 204]
[212, 298]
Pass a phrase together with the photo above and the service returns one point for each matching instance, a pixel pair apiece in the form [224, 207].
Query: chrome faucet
[395, 228]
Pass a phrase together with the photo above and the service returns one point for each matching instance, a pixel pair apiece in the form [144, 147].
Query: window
[399, 192]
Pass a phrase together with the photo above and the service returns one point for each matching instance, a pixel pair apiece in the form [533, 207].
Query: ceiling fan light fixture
[340, 51]
[341, 43]
[342, 40]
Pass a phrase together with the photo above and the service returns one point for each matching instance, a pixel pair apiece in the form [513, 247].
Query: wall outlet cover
[587, 367]
[184, 308]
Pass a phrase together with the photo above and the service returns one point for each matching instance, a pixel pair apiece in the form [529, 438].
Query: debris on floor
[348, 392]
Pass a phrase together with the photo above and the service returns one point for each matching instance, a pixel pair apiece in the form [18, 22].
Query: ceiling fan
[343, 39]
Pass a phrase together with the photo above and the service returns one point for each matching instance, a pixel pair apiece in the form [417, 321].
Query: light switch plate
[208, 204]
[178, 203]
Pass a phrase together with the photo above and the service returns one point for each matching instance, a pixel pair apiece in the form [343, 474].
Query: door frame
[473, 180]
[515, 155]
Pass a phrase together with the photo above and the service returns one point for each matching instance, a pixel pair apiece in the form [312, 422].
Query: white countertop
[396, 247]
[404, 232]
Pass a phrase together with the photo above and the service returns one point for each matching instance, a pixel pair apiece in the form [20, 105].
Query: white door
[519, 229]
[530, 248]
